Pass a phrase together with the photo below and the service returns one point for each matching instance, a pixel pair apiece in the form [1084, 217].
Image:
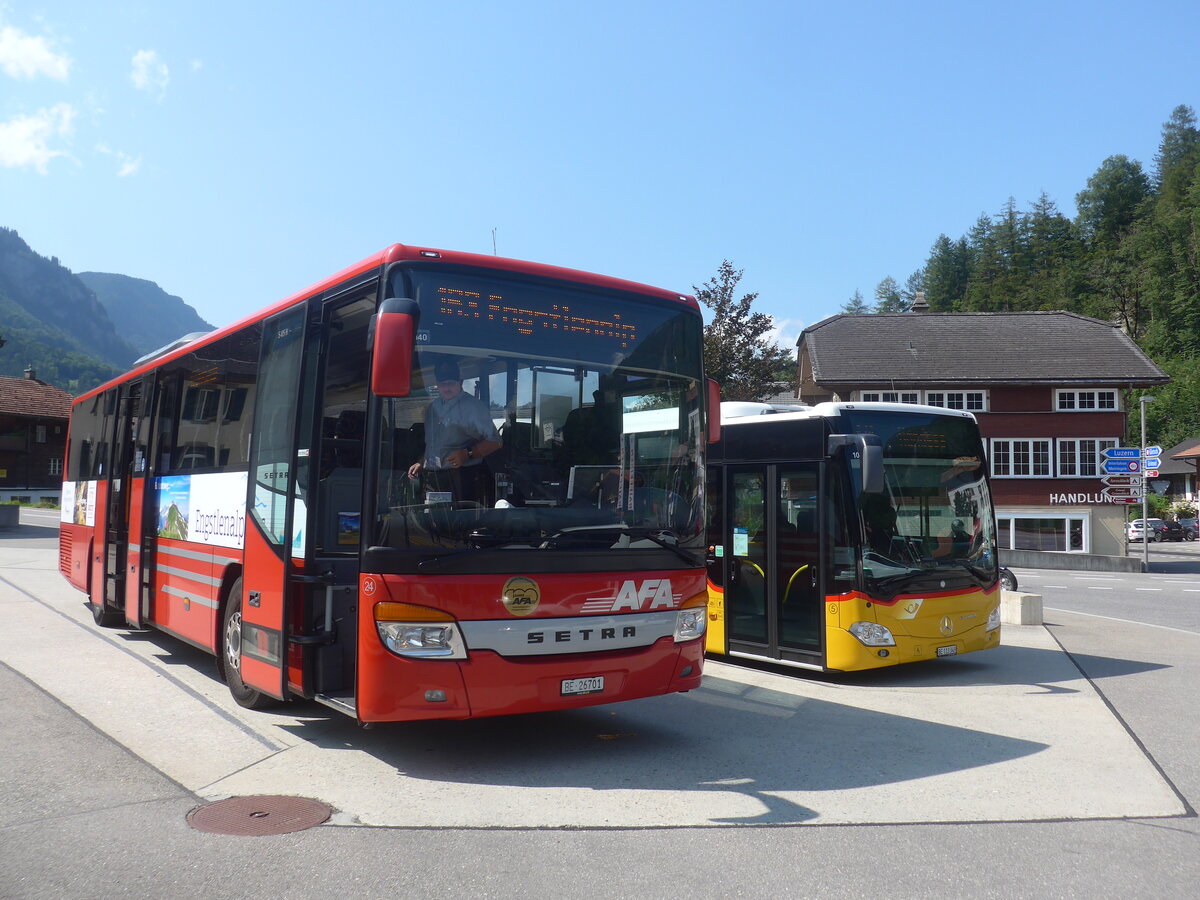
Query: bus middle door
[773, 600]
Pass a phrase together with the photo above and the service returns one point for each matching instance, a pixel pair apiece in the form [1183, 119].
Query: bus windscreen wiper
[580, 537]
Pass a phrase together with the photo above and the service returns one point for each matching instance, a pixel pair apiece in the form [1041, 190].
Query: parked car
[1190, 529]
[1172, 531]
[1137, 529]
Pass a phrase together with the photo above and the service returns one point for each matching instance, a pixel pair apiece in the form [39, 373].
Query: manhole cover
[259, 816]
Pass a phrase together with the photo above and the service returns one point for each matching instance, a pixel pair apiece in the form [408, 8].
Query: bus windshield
[592, 398]
[932, 526]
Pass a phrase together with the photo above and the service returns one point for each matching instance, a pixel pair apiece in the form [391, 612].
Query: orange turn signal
[391, 611]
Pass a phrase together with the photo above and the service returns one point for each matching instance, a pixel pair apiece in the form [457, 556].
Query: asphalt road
[1064, 764]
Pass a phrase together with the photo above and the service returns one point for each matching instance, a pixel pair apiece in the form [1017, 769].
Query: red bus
[434, 485]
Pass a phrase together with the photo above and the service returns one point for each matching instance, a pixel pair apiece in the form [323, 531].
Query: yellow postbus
[850, 536]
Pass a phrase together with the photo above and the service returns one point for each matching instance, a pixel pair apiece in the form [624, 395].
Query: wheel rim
[233, 642]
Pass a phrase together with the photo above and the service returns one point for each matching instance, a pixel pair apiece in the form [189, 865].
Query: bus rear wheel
[231, 654]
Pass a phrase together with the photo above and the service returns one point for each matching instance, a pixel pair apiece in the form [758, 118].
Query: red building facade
[1049, 390]
[33, 438]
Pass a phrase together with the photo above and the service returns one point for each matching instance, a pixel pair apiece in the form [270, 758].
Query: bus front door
[773, 550]
[256, 617]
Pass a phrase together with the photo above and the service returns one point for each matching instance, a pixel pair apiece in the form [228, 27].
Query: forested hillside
[145, 315]
[1131, 255]
[79, 330]
[49, 319]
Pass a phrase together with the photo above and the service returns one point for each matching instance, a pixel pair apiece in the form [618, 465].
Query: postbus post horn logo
[521, 595]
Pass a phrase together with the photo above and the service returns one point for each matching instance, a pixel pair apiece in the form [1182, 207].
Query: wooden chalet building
[33, 438]
[1047, 390]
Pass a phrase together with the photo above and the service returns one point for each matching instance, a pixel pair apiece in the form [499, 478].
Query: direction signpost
[1124, 492]
[1151, 457]
[1121, 466]
[1122, 479]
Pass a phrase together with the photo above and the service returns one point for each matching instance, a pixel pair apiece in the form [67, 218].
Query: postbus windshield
[932, 526]
[593, 397]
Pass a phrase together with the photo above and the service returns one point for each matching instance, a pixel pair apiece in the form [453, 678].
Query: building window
[971, 401]
[1086, 401]
[1062, 533]
[56, 465]
[39, 433]
[1080, 458]
[889, 396]
[1021, 458]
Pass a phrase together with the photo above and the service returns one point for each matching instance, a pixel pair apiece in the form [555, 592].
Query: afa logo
[521, 595]
[651, 594]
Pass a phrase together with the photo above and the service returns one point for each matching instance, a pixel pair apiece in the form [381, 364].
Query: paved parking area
[1012, 734]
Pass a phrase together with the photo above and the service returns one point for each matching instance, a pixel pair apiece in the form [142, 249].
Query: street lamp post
[1142, 401]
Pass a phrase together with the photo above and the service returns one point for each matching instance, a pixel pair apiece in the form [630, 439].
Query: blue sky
[236, 152]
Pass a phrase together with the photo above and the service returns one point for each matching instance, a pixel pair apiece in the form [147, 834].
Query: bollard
[1020, 608]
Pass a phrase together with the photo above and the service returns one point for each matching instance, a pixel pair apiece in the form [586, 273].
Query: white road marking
[1076, 612]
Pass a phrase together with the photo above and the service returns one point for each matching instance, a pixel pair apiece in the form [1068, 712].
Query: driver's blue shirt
[456, 425]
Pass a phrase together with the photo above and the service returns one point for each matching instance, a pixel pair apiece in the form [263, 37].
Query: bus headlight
[692, 618]
[993, 621]
[872, 635]
[419, 632]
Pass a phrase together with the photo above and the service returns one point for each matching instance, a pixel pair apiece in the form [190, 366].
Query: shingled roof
[33, 398]
[979, 348]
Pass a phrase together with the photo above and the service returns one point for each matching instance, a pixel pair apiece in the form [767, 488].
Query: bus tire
[231, 654]
[1008, 580]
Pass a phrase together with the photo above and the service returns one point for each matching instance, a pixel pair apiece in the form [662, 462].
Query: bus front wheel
[231, 654]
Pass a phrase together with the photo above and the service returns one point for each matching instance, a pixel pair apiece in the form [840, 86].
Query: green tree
[946, 274]
[1177, 150]
[856, 306]
[738, 350]
[1110, 204]
[888, 298]
[912, 285]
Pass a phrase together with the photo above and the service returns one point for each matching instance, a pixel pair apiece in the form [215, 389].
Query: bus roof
[744, 413]
[394, 253]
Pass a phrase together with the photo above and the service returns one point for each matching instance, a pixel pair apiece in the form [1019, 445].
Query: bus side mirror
[868, 449]
[393, 336]
[714, 411]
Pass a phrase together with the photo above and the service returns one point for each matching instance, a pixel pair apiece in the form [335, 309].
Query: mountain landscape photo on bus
[173, 496]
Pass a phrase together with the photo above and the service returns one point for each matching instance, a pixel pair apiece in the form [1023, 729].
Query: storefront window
[1051, 533]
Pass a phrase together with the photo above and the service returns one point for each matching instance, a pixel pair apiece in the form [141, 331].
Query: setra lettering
[581, 634]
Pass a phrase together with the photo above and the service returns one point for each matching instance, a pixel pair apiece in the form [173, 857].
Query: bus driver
[459, 433]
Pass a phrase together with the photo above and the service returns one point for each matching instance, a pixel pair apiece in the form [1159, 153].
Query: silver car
[1136, 530]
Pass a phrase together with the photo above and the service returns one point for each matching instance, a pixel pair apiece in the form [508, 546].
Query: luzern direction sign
[1122, 452]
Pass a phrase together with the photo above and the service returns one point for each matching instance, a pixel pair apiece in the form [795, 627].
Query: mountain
[52, 321]
[145, 315]
[77, 331]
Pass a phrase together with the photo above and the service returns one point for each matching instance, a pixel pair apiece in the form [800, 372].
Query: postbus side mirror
[393, 336]
[868, 449]
[714, 411]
